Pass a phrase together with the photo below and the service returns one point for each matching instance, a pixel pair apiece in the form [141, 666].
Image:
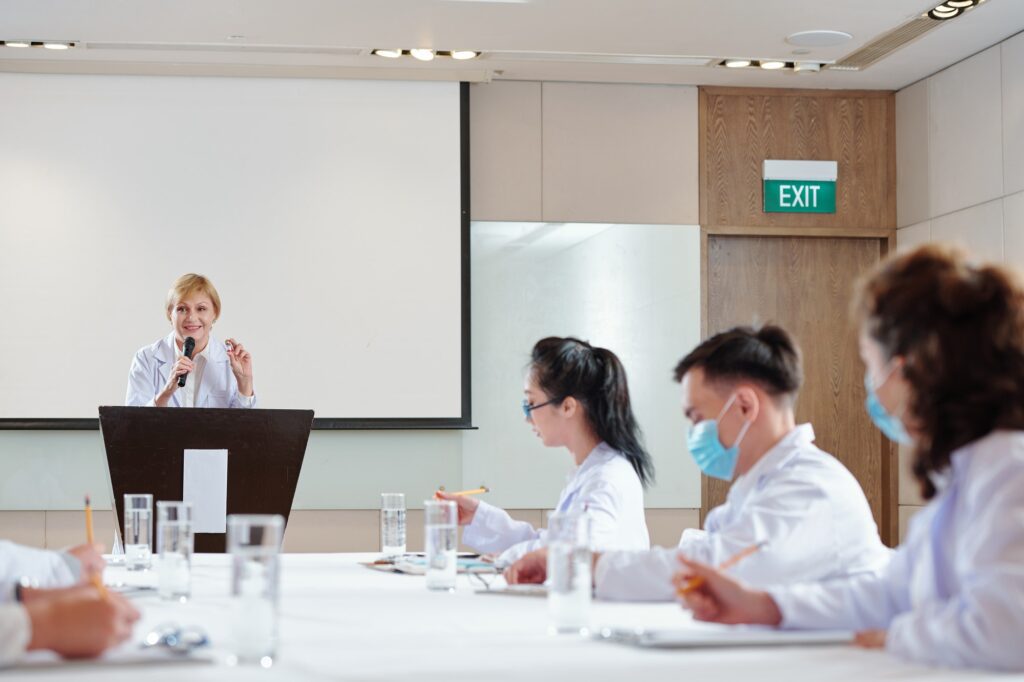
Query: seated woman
[576, 398]
[216, 375]
[943, 342]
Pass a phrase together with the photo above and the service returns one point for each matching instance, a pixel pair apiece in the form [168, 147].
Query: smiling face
[193, 316]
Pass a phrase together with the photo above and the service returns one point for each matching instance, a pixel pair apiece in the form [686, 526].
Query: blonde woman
[218, 374]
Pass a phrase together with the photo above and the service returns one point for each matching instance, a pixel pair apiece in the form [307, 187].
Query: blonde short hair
[189, 284]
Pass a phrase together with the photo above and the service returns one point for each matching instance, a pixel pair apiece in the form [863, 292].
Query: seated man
[739, 388]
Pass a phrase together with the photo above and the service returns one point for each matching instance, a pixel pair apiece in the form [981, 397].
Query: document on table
[205, 485]
[707, 636]
[132, 654]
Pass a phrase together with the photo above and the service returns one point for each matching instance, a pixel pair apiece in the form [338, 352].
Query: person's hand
[180, 367]
[91, 559]
[79, 623]
[531, 568]
[466, 505]
[720, 599]
[870, 639]
[241, 366]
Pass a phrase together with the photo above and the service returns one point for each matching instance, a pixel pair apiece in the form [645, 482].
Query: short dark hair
[768, 356]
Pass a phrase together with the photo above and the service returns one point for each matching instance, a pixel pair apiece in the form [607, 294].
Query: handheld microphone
[190, 346]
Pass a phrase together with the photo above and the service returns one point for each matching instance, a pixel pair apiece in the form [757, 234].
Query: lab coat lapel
[164, 353]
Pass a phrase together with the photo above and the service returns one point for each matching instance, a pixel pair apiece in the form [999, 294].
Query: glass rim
[271, 520]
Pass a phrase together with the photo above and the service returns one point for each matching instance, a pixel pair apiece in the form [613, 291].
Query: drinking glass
[174, 542]
[441, 531]
[138, 531]
[254, 542]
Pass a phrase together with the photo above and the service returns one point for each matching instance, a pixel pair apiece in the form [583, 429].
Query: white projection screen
[329, 214]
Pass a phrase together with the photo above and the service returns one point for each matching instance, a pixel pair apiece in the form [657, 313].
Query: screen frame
[464, 421]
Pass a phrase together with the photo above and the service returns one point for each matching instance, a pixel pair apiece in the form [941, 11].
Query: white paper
[206, 487]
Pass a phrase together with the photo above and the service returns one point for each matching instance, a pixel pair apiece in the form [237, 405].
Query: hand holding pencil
[714, 596]
[465, 501]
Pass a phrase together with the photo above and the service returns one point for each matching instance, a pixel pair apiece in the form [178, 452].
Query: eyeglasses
[180, 640]
[528, 408]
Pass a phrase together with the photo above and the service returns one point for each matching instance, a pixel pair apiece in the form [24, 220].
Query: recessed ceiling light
[818, 38]
[465, 54]
[942, 12]
[56, 46]
[771, 64]
[959, 3]
[737, 63]
[17, 43]
[807, 67]
[390, 54]
[422, 53]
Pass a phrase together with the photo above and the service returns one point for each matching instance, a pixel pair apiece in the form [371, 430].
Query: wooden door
[804, 284]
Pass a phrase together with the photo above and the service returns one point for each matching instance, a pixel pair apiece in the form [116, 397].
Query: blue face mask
[713, 458]
[891, 426]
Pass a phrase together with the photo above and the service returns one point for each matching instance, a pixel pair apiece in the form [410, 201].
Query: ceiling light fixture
[737, 63]
[390, 54]
[950, 9]
[772, 64]
[53, 45]
[464, 54]
[423, 54]
[17, 43]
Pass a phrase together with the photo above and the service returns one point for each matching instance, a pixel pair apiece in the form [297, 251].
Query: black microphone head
[190, 346]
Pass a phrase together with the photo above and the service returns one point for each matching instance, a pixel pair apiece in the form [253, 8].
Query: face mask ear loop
[728, 404]
[742, 433]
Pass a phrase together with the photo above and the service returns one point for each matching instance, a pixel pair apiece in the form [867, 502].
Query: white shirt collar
[798, 437]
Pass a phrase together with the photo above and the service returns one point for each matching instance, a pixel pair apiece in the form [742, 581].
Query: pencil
[693, 583]
[96, 579]
[474, 491]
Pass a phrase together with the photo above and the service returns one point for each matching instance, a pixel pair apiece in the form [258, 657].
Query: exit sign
[800, 186]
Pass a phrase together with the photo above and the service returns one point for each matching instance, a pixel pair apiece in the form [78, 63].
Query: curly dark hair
[960, 331]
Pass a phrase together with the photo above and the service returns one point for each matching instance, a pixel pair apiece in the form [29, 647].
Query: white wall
[960, 164]
[634, 289]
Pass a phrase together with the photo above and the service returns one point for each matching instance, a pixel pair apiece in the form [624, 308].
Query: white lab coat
[801, 500]
[605, 485]
[38, 567]
[151, 365]
[954, 591]
[15, 632]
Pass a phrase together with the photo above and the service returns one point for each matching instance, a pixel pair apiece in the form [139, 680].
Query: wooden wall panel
[740, 128]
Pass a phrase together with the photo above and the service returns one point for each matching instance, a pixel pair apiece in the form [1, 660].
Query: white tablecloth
[343, 621]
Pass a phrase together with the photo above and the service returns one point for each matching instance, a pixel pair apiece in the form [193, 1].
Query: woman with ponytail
[943, 344]
[577, 398]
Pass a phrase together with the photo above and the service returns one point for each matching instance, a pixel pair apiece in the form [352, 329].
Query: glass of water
[254, 542]
[569, 573]
[138, 531]
[441, 526]
[174, 543]
[392, 525]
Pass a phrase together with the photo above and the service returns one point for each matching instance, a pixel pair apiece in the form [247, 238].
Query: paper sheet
[206, 487]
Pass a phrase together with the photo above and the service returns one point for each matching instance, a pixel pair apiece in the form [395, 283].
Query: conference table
[339, 620]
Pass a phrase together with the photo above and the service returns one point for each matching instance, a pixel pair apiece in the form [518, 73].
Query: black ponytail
[568, 367]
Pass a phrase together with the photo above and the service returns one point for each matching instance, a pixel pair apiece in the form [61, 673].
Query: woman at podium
[189, 367]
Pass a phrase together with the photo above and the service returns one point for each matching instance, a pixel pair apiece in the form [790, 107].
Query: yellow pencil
[693, 583]
[96, 579]
[474, 491]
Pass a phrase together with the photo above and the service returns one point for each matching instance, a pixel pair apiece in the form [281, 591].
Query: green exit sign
[800, 186]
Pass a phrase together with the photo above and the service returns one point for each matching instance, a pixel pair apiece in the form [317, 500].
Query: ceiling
[640, 41]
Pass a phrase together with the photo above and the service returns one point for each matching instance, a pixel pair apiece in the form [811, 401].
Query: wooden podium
[146, 451]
